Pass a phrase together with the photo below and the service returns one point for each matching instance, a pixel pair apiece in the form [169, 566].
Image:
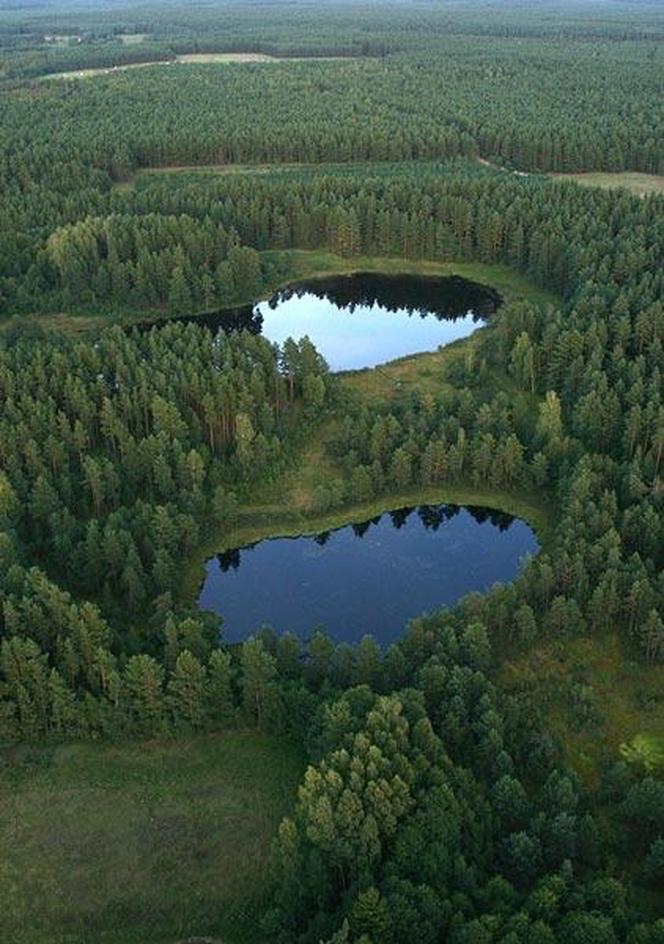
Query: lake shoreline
[531, 509]
[369, 578]
[303, 264]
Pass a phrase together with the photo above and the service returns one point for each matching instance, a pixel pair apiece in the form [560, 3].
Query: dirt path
[505, 170]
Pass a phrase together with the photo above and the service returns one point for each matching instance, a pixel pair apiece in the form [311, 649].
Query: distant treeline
[36, 42]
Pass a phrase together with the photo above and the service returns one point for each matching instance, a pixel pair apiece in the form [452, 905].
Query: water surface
[366, 319]
[365, 578]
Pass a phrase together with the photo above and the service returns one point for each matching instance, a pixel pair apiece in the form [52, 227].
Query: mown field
[191, 59]
[196, 58]
[640, 184]
[140, 843]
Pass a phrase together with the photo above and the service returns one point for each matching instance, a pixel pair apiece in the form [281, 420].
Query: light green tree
[258, 674]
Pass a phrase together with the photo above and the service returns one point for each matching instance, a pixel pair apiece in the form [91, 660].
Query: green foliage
[259, 694]
[434, 801]
[187, 690]
[654, 864]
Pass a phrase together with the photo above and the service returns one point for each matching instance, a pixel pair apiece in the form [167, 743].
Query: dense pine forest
[461, 785]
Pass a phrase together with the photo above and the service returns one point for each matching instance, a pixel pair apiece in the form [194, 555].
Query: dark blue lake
[365, 578]
[367, 318]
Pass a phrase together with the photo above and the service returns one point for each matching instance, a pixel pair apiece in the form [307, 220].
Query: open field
[143, 174]
[640, 184]
[146, 842]
[210, 57]
[194, 58]
[61, 39]
[634, 181]
[142, 177]
[191, 58]
[106, 70]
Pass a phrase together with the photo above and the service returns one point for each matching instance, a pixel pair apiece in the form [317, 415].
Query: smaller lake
[365, 578]
[365, 319]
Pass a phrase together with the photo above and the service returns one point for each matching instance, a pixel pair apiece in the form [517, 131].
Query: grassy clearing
[627, 699]
[211, 57]
[640, 184]
[106, 70]
[61, 39]
[225, 169]
[132, 39]
[188, 59]
[425, 373]
[147, 842]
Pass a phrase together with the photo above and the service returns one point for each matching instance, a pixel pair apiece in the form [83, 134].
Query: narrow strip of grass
[508, 282]
[73, 325]
[637, 183]
[287, 167]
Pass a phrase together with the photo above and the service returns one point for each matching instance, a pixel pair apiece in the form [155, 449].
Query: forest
[457, 785]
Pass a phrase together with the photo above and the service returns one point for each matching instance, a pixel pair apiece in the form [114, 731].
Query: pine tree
[368, 667]
[259, 671]
[219, 687]
[143, 694]
[522, 362]
[64, 713]
[179, 294]
[187, 690]
[289, 657]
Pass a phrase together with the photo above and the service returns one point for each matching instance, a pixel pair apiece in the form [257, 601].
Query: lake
[365, 319]
[365, 578]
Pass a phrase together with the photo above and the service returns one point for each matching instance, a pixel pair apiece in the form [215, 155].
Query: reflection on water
[408, 561]
[365, 319]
